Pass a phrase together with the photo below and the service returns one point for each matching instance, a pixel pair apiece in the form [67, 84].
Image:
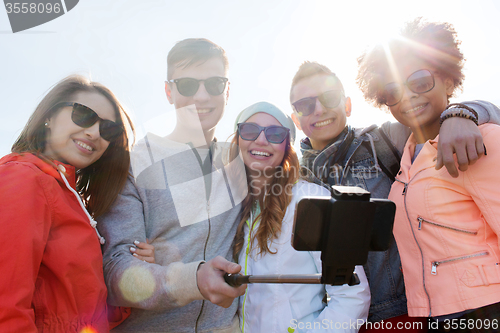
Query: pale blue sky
[124, 44]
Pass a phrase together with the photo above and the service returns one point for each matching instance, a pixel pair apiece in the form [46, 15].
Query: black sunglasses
[188, 86]
[85, 117]
[251, 131]
[419, 82]
[329, 99]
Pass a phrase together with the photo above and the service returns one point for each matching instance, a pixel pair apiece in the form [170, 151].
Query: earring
[46, 124]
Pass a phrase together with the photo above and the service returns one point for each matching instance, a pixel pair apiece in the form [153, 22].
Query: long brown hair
[274, 206]
[99, 183]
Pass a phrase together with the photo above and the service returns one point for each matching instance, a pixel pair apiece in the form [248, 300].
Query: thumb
[234, 268]
[229, 267]
[225, 265]
[439, 162]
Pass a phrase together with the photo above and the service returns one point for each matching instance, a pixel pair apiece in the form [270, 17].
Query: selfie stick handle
[236, 280]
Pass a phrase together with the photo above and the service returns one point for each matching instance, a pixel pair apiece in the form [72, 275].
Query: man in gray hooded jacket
[184, 199]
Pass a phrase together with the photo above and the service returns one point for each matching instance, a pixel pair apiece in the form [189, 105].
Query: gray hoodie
[186, 202]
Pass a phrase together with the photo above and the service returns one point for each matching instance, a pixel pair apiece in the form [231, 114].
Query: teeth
[420, 107]
[203, 110]
[323, 123]
[259, 153]
[83, 145]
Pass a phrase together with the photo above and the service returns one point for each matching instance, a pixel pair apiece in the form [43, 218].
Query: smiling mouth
[203, 111]
[83, 145]
[323, 123]
[259, 153]
[415, 109]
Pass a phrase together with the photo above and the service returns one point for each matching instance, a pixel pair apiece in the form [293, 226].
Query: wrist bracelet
[462, 106]
[460, 113]
[459, 110]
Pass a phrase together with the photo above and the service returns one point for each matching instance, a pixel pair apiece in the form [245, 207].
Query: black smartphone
[353, 222]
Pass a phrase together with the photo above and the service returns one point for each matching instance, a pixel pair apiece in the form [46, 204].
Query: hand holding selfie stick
[344, 228]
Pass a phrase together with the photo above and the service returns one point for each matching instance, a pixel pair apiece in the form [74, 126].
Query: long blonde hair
[274, 206]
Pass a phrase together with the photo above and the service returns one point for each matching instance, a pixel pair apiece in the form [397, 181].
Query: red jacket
[448, 229]
[51, 262]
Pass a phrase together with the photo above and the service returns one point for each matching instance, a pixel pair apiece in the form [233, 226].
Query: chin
[79, 163]
[209, 124]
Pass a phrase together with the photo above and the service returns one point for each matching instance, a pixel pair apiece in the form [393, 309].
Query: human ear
[168, 91]
[348, 106]
[296, 121]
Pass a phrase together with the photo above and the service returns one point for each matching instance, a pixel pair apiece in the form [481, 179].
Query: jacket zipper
[247, 252]
[204, 258]
[405, 190]
[421, 219]
[435, 264]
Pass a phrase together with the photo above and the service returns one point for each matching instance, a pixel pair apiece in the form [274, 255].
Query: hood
[52, 170]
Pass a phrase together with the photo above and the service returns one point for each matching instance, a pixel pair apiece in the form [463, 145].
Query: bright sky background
[124, 45]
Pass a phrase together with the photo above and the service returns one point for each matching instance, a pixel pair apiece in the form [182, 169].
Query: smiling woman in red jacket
[74, 146]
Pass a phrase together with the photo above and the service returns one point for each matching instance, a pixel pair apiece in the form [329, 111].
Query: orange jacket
[51, 263]
[447, 230]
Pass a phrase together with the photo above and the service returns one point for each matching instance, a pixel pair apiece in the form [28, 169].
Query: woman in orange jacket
[447, 228]
[66, 168]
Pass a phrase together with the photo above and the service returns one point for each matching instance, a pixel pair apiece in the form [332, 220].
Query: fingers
[143, 251]
[462, 157]
[445, 158]
[210, 278]
[460, 137]
[149, 259]
[480, 148]
[467, 153]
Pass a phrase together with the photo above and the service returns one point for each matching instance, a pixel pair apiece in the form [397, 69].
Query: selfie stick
[342, 244]
[236, 280]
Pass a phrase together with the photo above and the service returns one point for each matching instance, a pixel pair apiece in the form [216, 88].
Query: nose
[93, 131]
[319, 109]
[202, 94]
[407, 93]
[261, 139]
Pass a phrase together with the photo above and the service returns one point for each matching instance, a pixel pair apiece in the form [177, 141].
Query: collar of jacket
[425, 159]
[46, 167]
[315, 160]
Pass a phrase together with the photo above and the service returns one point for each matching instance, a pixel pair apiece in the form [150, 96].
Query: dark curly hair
[433, 42]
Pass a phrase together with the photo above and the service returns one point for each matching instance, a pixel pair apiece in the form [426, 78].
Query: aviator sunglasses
[251, 131]
[419, 82]
[329, 99]
[188, 86]
[85, 117]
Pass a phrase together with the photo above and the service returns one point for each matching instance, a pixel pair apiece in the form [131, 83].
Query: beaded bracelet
[460, 113]
[459, 110]
[462, 106]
